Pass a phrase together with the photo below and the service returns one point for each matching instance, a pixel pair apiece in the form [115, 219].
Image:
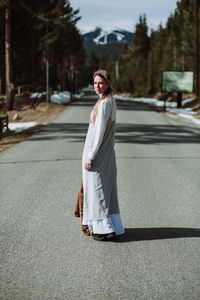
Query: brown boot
[76, 211]
[79, 202]
[79, 211]
[91, 233]
[84, 228]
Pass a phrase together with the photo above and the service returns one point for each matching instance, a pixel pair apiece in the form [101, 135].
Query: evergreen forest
[37, 31]
[34, 32]
[169, 48]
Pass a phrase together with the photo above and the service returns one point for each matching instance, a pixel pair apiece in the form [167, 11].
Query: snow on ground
[63, 97]
[20, 126]
[38, 95]
[171, 107]
[78, 96]
[57, 97]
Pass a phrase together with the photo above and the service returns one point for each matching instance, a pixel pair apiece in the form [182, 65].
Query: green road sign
[177, 82]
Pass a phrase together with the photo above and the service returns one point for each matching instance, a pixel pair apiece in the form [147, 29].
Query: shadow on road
[125, 133]
[130, 105]
[155, 134]
[121, 104]
[145, 234]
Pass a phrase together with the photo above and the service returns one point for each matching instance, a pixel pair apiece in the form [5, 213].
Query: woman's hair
[106, 77]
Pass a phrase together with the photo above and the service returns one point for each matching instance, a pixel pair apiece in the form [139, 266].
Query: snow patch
[171, 107]
[78, 96]
[38, 95]
[119, 36]
[61, 97]
[18, 127]
[104, 33]
[64, 97]
[58, 97]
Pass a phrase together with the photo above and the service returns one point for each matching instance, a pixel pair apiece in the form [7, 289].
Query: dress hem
[103, 226]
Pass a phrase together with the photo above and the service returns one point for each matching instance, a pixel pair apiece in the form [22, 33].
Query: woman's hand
[88, 164]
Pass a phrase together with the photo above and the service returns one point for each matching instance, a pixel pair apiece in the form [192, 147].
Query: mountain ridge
[106, 41]
[104, 36]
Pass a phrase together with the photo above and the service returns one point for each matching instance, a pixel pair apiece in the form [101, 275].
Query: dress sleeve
[104, 110]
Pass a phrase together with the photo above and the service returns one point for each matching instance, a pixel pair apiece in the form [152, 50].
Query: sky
[121, 13]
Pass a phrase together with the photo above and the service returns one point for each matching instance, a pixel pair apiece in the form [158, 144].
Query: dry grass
[23, 112]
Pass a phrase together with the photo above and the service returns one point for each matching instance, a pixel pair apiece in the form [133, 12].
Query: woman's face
[100, 85]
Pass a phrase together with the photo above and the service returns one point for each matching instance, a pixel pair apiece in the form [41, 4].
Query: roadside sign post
[164, 107]
[179, 82]
[179, 100]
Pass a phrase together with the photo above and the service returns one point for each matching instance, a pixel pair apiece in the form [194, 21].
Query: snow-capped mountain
[105, 36]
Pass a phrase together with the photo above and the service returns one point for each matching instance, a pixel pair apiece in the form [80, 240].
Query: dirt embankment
[26, 110]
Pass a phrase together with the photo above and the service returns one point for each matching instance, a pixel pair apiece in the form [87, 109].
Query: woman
[99, 172]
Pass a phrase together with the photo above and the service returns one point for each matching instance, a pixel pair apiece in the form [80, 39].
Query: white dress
[100, 209]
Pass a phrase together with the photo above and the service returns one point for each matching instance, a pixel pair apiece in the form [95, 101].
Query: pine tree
[2, 51]
[29, 38]
[140, 52]
[6, 5]
[170, 47]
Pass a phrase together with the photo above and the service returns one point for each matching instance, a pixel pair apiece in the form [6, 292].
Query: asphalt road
[42, 252]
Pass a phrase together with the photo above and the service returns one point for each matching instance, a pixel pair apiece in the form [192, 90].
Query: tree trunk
[179, 100]
[1, 85]
[151, 73]
[174, 55]
[8, 64]
[63, 75]
[197, 48]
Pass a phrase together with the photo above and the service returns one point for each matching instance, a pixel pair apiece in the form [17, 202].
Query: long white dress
[101, 210]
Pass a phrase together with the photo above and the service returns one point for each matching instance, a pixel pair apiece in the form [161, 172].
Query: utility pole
[197, 48]
[117, 70]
